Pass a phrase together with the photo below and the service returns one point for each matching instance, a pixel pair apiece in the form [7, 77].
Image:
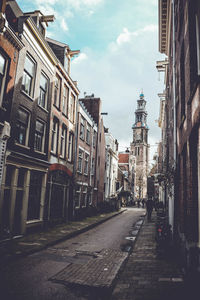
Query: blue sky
[118, 41]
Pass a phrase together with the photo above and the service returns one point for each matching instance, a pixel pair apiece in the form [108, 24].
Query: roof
[123, 158]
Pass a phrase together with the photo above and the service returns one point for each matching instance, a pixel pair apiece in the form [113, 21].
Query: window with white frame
[94, 138]
[35, 189]
[28, 76]
[63, 142]
[82, 129]
[88, 134]
[86, 163]
[72, 108]
[92, 167]
[70, 147]
[54, 136]
[77, 197]
[57, 85]
[43, 91]
[22, 126]
[39, 136]
[80, 161]
[3, 67]
[65, 99]
[84, 196]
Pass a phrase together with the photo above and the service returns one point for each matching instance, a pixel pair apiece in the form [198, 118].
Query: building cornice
[42, 42]
[163, 25]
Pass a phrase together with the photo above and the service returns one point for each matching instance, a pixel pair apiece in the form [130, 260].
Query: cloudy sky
[118, 41]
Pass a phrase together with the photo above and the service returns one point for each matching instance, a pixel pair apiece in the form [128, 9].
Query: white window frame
[88, 133]
[56, 95]
[54, 136]
[3, 78]
[65, 100]
[80, 161]
[27, 75]
[82, 129]
[72, 107]
[77, 192]
[92, 166]
[84, 194]
[86, 163]
[63, 142]
[70, 147]
[44, 91]
[43, 136]
[27, 126]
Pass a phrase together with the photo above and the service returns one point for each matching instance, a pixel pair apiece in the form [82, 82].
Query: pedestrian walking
[149, 206]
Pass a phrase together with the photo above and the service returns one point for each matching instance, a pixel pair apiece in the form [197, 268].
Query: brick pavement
[145, 276]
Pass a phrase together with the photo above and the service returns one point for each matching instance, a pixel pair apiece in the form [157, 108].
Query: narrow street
[38, 276]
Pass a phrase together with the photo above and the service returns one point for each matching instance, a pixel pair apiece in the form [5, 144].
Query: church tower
[140, 148]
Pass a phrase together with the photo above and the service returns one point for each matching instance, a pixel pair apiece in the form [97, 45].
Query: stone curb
[58, 240]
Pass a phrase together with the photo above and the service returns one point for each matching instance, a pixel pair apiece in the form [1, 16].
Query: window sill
[23, 146]
[65, 115]
[79, 172]
[53, 153]
[63, 158]
[33, 222]
[40, 152]
[43, 108]
[27, 95]
[58, 108]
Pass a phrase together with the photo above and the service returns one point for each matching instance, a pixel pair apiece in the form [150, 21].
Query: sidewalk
[19, 247]
[147, 277]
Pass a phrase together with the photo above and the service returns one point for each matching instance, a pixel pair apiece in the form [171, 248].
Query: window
[65, 103]
[54, 137]
[63, 142]
[70, 146]
[28, 76]
[57, 92]
[94, 139]
[137, 151]
[88, 134]
[80, 161]
[72, 108]
[92, 167]
[22, 126]
[77, 196]
[3, 66]
[86, 163]
[84, 196]
[34, 195]
[39, 136]
[82, 129]
[43, 91]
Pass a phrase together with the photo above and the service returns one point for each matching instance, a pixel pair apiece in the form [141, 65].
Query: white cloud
[81, 57]
[117, 78]
[126, 35]
[64, 25]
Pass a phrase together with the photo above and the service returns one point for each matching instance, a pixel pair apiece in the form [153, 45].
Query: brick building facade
[179, 39]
